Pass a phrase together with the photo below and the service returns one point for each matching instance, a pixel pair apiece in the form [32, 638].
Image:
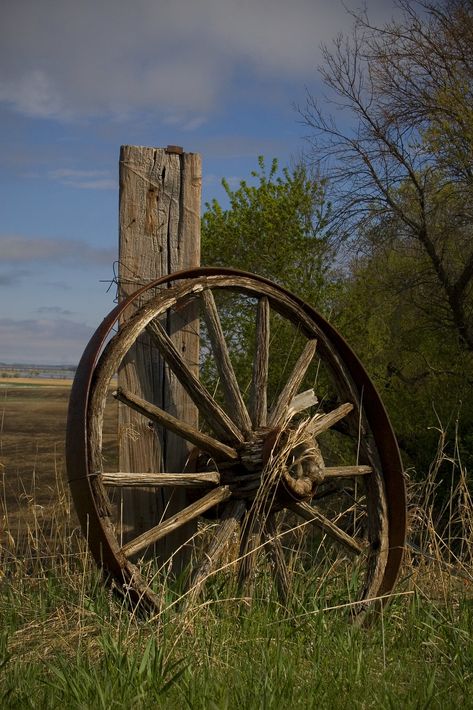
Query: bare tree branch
[405, 163]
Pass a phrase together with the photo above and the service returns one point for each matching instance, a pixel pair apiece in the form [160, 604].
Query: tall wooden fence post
[159, 234]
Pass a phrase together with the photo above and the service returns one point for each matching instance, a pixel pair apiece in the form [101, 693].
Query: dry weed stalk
[439, 557]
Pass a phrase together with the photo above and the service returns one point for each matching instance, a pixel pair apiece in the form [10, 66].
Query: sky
[79, 78]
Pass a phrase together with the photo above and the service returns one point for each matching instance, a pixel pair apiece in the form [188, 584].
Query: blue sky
[78, 78]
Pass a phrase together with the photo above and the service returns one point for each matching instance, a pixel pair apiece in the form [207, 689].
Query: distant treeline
[33, 370]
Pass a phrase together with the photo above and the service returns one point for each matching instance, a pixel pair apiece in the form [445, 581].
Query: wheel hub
[277, 465]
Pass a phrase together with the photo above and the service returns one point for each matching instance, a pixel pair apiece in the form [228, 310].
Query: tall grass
[440, 543]
[67, 640]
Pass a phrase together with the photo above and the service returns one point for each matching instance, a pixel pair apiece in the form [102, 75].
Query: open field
[11, 382]
[33, 421]
[66, 641]
[32, 434]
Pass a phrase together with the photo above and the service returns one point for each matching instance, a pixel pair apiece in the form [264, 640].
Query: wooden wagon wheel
[295, 460]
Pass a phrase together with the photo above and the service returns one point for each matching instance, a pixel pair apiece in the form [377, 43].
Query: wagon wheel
[294, 454]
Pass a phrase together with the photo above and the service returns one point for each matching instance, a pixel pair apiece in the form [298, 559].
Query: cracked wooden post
[159, 234]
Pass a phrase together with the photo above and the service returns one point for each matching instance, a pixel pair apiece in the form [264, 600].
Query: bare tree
[397, 142]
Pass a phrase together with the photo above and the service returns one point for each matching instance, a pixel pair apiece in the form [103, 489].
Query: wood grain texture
[189, 480]
[179, 520]
[205, 403]
[159, 224]
[346, 471]
[228, 380]
[229, 524]
[289, 391]
[281, 572]
[313, 516]
[259, 385]
[322, 422]
[250, 542]
[185, 431]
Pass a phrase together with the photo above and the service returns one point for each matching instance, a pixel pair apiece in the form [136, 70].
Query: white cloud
[183, 121]
[33, 94]
[85, 179]
[67, 59]
[42, 341]
[54, 310]
[23, 250]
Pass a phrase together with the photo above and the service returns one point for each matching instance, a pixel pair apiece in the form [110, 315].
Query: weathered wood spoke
[321, 422]
[230, 520]
[284, 400]
[281, 571]
[188, 432]
[228, 380]
[210, 500]
[313, 516]
[259, 385]
[208, 407]
[346, 471]
[249, 543]
[189, 480]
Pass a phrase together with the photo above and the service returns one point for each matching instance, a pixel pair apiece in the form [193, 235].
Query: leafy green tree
[276, 228]
[424, 377]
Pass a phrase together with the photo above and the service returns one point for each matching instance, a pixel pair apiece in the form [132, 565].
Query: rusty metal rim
[106, 552]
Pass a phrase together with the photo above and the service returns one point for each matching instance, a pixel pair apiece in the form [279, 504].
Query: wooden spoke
[321, 422]
[280, 409]
[302, 401]
[210, 500]
[249, 542]
[231, 517]
[189, 480]
[346, 471]
[188, 432]
[259, 385]
[277, 555]
[212, 412]
[313, 516]
[228, 380]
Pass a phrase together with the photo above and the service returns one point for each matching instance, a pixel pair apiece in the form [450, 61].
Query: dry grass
[37, 520]
[34, 497]
[14, 381]
[439, 559]
[39, 531]
[32, 464]
[59, 615]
